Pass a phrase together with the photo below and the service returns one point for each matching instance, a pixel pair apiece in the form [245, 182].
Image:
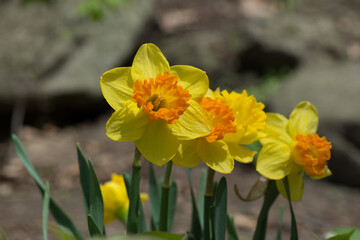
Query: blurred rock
[53, 58]
[334, 90]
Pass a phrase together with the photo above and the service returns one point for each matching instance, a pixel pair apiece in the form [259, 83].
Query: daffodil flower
[237, 119]
[155, 104]
[115, 198]
[292, 148]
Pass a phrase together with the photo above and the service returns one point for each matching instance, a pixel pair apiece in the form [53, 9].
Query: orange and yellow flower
[155, 104]
[292, 148]
[236, 120]
[116, 200]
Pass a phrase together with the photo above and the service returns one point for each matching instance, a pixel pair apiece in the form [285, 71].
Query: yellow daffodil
[115, 198]
[155, 104]
[292, 148]
[237, 119]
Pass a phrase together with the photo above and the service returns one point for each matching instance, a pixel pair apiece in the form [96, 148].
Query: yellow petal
[127, 124]
[216, 155]
[240, 153]
[274, 161]
[116, 86]
[303, 119]
[158, 145]
[193, 123]
[276, 129]
[187, 155]
[192, 79]
[296, 185]
[144, 197]
[148, 63]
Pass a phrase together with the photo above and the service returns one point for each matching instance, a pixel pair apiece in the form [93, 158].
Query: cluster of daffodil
[173, 117]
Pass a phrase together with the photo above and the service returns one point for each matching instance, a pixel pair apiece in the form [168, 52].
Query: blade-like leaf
[172, 205]
[256, 191]
[127, 180]
[96, 200]
[220, 209]
[154, 197]
[58, 214]
[343, 233]
[45, 210]
[202, 189]
[345, 236]
[93, 228]
[294, 232]
[84, 178]
[141, 221]
[196, 228]
[281, 213]
[232, 234]
[269, 198]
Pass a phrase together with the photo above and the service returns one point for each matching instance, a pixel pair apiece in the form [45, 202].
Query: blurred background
[52, 54]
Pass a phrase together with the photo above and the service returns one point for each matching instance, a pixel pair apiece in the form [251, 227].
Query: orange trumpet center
[161, 98]
[312, 152]
[222, 118]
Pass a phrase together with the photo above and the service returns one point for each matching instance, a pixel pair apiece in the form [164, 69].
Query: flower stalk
[131, 226]
[208, 202]
[163, 225]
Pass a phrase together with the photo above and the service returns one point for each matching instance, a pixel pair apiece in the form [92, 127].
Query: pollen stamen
[161, 98]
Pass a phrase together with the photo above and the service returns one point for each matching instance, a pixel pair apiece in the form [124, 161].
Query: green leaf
[256, 191]
[294, 232]
[220, 209]
[281, 213]
[196, 228]
[93, 227]
[84, 178]
[154, 197]
[60, 217]
[141, 221]
[269, 198]
[343, 233]
[202, 189]
[127, 180]
[2, 235]
[96, 207]
[232, 234]
[172, 205]
[147, 236]
[131, 225]
[45, 210]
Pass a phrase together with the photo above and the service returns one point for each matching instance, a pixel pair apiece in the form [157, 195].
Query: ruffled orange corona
[161, 98]
[222, 117]
[311, 152]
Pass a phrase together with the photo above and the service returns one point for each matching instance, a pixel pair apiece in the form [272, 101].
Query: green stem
[165, 199]
[294, 232]
[131, 226]
[208, 201]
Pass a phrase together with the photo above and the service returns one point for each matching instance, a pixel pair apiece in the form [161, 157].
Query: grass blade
[269, 198]
[154, 197]
[58, 214]
[96, 208]
[172, 205]
[281, 213]
[196, 228]
[202, 189]
[294, 232]
[45, 210]
[220, 209]
[93, 227]
[232, 234]
[84, 178]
